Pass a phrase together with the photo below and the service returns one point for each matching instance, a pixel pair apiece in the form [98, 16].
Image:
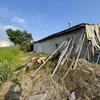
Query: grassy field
[10, 59]
[12, 56]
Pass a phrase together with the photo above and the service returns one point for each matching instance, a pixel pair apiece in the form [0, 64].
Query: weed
[5, 72]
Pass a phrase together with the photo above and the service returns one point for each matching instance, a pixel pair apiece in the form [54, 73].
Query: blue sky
[44, 17]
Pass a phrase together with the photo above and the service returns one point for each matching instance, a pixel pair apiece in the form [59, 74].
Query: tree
[21, 38]
[27, 36]
[18, 36]
[25, 46]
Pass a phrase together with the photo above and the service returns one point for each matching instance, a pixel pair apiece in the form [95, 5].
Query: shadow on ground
[14, 92]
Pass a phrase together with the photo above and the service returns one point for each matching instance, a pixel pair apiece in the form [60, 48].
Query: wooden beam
[78, 44]
[61, 57]
[67, 55]
[79, 51]
[73, 61]
[70, 66]
[48, 58]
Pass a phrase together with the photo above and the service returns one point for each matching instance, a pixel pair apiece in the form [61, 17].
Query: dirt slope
[84, 81]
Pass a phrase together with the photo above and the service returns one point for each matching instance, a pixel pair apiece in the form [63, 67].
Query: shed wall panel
[49, 46]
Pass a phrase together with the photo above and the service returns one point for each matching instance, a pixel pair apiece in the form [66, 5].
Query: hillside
[82, 83]
[11, 58]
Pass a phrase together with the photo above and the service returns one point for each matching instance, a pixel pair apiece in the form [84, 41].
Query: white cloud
[5, 27]
[3, 35]
[18, 20]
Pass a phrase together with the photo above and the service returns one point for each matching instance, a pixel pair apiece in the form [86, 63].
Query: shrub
[26, 46]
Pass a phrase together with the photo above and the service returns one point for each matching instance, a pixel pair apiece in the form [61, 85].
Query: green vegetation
[5, 72]
[26, 46]
[21, 38]
[11, 56]
[10, 59]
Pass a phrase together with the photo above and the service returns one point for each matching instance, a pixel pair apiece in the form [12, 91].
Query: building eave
[63, 32]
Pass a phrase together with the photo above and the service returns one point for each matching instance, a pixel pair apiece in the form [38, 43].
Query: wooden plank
[79, 52]
[21, 68]
[70, 66]
[67, 55]
[97, 32]
[62, 54]
[73, 61]
[61, 57]
[78, 45]
[48, 58]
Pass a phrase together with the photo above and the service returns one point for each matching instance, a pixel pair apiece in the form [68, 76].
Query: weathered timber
[61, 57]
[67, 55]
[79, 52]
[73, 61]
[48, 58]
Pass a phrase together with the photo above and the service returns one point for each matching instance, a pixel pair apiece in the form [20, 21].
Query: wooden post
[49, 58]
[62, 55]
[74, 57]
[67, 55]
[79, 52]
[78, 45]
[26, 65]
[97, 32]
[70, 66]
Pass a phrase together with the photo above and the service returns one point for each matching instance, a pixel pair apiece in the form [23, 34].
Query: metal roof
[63, 32]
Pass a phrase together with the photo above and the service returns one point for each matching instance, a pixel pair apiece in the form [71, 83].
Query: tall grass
[11, 56]
[5, 72]
[9, 61]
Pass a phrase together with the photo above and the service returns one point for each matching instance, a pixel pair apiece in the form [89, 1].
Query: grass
[10, 59]
[11, 56]
[5, 72]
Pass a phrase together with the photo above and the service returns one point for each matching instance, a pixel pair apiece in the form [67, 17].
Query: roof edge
[59, 33]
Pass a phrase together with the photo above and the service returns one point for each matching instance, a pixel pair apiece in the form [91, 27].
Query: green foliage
[10, 59]
[15, 36]
[5, 72]
[22, 38]
[25, 46]
[27, 36]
